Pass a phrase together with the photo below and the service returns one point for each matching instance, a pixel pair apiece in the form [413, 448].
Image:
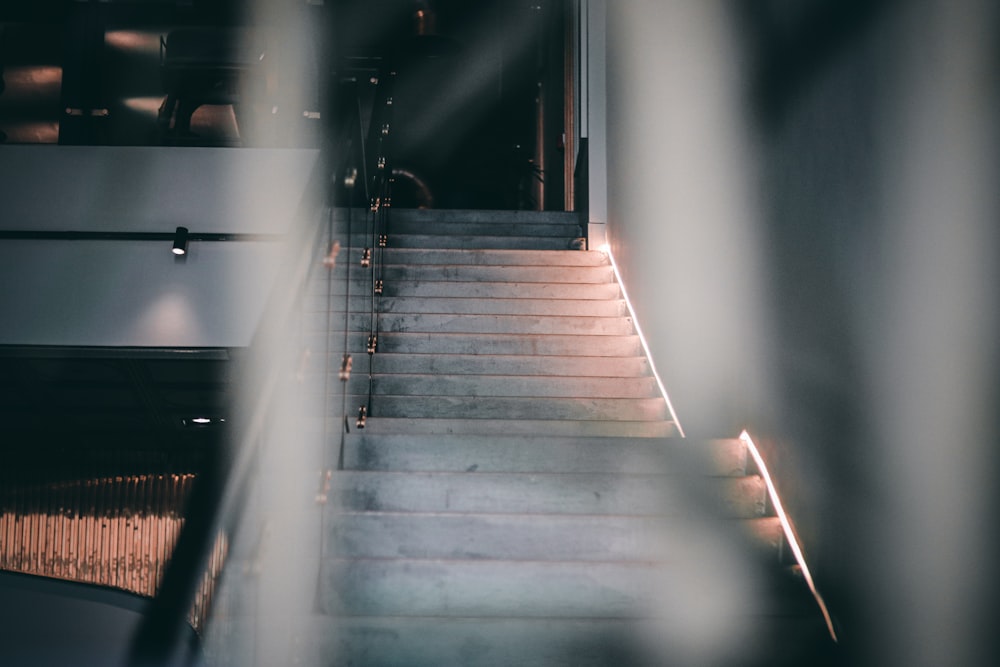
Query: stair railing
[349, 171]
[379, 173]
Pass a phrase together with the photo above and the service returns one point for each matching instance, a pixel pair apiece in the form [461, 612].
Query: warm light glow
[606, 249]
[41, 132]
[751, 447]
[786, 526]
[168, 319]
[133, 40]
[147, 105]
[33, 76]
[202, 420]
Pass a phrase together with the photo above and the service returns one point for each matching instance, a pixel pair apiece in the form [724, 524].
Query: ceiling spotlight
[180, 241]
[200, 422]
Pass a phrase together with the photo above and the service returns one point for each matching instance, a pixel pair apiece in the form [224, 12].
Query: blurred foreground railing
[296, 343]
[219, 494]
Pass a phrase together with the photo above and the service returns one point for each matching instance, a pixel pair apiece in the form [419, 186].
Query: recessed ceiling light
[201, 421]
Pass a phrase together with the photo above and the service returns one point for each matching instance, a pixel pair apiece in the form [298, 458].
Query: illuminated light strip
[606, 249]
[779, 509]
[787, 527]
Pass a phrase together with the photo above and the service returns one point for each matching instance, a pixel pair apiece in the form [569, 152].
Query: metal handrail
[364, 160]
[346, 177]
[379, 172]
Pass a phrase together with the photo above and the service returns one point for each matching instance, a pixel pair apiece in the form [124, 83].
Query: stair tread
[468, 306]
[516, 407]
[518, 536]
[474, 289]
[401, 641]
[484, 229]
[497, 385]
[492, 324]
[495, 256]
[506, 452]
[504, 306]
[596, 427]
[544, 493]
[473, 241]
[512, 386]
[483, 215]
[522, 365]
[466, 273]
[497, 642]
[488, 588]
[555, 344]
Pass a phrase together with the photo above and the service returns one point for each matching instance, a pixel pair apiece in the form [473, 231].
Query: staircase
[519, 495]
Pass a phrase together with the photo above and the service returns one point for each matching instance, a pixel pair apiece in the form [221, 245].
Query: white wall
[133, 293]
[151, 189]
[136, 293]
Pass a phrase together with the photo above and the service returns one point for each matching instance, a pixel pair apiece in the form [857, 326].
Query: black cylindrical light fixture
[180, 241]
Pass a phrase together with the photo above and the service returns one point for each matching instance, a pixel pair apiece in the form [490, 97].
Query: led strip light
[744, 437]
[787, 527]
[606, 249]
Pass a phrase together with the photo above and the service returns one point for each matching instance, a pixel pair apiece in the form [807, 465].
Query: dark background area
[478, 102]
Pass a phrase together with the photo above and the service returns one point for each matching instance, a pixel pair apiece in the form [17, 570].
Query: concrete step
[466, 385]
[545, 493]
[503, 344]
[516, 408]
[478, 642]
[441, 216]
[486, 364]
[505, 306]
[776, 640]
[491, 589]
[503, 385]
[492, 257]
[546, 345]
[480, 239]
[768, 537]
[515, 537]
[493, 290]
[386, 363]
[485, 228]
[498, 274]
[361, 302]
[381, 425]
[361, 285]
[524, 453]
[478, 324]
